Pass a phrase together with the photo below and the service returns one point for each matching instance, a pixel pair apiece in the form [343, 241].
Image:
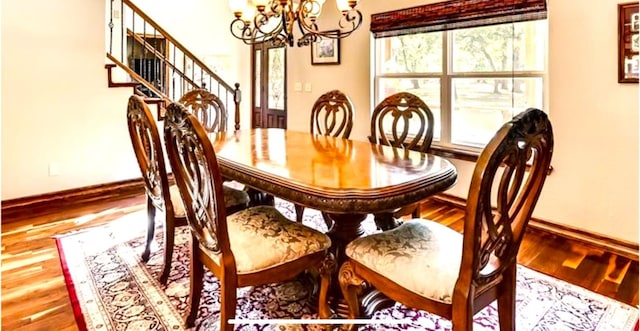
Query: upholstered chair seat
[420, 255]
[262, 238]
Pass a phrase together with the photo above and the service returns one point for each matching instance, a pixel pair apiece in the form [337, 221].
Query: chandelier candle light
[273, 21]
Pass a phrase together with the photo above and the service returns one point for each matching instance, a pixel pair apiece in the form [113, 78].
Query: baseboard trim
[37, 205]
[617, 246]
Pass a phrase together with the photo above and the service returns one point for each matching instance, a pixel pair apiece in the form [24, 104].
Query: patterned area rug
[111, 289]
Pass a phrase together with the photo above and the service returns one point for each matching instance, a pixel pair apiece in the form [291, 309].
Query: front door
[269, 89]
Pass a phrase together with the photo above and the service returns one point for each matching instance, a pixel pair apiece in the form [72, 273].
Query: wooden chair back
[332, 115]
[197, 174]
[207, 108]
[509, 174]
[402, 120]
[457, 275]
[145, 140]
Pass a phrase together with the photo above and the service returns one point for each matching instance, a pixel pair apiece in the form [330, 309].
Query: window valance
[455, 14]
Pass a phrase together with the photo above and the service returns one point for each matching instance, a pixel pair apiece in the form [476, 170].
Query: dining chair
[207, 108]
[212, 114]
[254, 246]
[426, 265]
[401, 120]
[331, 115]
[161, 197]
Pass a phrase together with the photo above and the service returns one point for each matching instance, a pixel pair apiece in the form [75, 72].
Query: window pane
[416, 53]
[504, 47]
[481, 106]
[428, 89]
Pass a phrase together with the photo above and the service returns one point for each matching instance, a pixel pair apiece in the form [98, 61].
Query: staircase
[156, 65]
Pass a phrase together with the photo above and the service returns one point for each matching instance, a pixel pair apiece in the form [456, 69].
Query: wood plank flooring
[34, 296]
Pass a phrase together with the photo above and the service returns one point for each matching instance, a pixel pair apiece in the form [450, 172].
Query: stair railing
[164, 67]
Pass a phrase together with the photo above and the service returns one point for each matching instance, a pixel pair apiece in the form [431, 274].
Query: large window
[473, 79]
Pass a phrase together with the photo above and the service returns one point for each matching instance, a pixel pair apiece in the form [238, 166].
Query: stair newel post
[236, 99]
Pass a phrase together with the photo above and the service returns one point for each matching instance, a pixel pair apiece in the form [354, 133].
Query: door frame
[264, 83]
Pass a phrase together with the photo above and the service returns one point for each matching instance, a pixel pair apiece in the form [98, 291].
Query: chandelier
[273, 21]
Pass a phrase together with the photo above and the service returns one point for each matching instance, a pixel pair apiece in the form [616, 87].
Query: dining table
[346, 179]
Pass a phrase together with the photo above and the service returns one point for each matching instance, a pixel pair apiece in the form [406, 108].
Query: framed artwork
[325, 51]
[628, 43]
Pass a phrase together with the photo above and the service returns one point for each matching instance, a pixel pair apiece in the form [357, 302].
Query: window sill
[460, 154]
[453, 153]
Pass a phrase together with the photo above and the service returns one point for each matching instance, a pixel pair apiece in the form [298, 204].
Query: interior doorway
[269, 97]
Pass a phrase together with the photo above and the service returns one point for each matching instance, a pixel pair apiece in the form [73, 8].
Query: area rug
[111, 289]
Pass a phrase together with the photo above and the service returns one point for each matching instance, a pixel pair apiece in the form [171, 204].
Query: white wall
[56, 106]
[594, 185]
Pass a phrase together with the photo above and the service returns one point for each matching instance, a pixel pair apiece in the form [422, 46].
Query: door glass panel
[256, 88]
[276, 78]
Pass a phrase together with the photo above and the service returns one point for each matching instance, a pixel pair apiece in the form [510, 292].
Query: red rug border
[73, 297]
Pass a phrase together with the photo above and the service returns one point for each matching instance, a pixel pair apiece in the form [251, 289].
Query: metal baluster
[111, 26]
[123, 41]
[145, 67]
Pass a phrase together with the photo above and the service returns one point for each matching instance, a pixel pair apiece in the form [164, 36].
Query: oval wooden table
[347, 179]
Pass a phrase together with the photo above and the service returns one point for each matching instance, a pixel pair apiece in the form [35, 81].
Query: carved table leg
[346, 227]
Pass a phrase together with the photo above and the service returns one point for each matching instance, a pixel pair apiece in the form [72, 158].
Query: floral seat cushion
[261, 238]
[232, 197]
[421, 256]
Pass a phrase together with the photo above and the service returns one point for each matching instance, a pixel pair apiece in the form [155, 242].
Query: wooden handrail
[183, 49]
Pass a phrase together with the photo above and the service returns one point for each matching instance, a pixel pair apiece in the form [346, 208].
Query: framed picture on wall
[628, 43]
[325, 51]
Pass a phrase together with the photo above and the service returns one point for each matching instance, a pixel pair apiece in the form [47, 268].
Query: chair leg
[327, 267]
[351, 287]
[228, 300]
[416, 212]
[507, 300]
[151, 226]
[299, 212]
[169, 238]
[462, 313]
[196, 284]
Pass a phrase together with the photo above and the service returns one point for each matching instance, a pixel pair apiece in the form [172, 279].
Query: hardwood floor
[34, 295]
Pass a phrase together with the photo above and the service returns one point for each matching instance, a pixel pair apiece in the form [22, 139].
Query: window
[473, 79]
